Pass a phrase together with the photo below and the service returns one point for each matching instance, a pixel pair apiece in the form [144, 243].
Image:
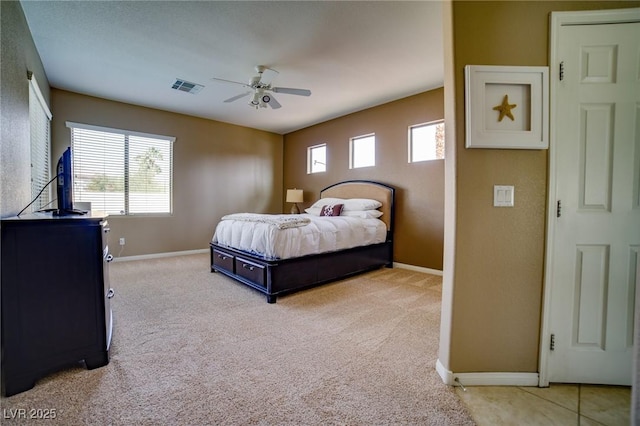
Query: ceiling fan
[261, 89]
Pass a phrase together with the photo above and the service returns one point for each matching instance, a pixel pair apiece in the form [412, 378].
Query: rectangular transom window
[362, 151]
[122, 172]
[426, 142]
[317, 158]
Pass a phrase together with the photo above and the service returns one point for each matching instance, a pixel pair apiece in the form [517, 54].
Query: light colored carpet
[192, 347]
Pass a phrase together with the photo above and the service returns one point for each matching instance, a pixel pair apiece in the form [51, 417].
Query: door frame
[557, 21]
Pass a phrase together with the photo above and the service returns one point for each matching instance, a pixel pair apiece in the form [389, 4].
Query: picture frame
[506, 107]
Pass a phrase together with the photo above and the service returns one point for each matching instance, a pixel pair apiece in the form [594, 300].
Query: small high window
[362, 151]
[426, 142]
[317, 158]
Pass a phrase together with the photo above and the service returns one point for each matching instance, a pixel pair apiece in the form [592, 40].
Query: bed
[276, 274]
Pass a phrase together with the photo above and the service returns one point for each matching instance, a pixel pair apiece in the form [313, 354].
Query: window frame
[310, 158]
[126, 166]
[40, 146]
[410, 147]
[352, 150]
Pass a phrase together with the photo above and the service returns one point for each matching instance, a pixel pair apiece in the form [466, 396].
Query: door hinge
[559, 209]
[561, 71]
[552, 342]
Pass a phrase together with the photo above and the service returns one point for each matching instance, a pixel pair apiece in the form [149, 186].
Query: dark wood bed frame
[278, 277]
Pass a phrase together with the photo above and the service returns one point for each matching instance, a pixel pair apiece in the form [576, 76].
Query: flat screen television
[64, 185]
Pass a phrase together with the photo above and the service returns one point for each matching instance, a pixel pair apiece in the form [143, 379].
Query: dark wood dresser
[55, 296]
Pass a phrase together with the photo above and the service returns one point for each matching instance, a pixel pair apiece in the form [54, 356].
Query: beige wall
[19, 55]
[419, 187]
[499, 252]
[498, 272]
[219, 168]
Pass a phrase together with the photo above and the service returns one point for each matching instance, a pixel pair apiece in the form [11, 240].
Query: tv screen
[65, 183]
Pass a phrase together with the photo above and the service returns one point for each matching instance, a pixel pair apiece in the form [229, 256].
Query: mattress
[273, 237]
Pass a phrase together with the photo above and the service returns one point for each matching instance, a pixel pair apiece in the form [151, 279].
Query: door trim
[557, 21]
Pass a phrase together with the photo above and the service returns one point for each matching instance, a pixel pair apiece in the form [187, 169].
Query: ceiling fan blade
[267, 75]
[235, 98]
[273, 103]
[291, 91]
[229, 81]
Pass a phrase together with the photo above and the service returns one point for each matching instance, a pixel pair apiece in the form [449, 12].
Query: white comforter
[264, 237]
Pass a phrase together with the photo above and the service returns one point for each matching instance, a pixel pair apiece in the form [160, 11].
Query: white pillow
[325, 201]
[314, 211]
[365, 214]
[355, 204]
[360, 204]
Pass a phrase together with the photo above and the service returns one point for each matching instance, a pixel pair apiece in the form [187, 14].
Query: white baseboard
[417, 268]
[199, 251]
[159, 255]
[445, 375]
[486, 379]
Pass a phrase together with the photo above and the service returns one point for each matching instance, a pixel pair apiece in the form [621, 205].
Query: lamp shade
[294, 195]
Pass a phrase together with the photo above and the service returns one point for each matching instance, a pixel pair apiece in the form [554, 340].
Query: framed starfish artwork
[506, 107]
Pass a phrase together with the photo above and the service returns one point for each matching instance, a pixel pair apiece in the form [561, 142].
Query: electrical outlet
[121, 241]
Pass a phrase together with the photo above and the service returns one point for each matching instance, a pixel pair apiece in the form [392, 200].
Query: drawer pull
[247, 266]
[107, 230]
[110, 293]
[109, 258]
[222, 257]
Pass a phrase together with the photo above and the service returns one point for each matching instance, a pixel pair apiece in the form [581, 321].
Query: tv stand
[68, 212]
[55, 296]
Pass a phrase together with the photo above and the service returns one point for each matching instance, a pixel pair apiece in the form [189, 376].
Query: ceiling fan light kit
[260, 85]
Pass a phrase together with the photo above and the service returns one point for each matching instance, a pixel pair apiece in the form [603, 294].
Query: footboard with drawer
[276, 278]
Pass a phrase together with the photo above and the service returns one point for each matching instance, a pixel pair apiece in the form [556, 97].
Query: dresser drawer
[223, 260]
[251, 271]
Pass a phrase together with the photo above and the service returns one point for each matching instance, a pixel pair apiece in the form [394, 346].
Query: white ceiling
[351, 55]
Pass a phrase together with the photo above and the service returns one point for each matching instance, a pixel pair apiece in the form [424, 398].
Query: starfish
[505, 109]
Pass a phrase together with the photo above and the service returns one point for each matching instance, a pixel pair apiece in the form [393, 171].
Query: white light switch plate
[503, 195]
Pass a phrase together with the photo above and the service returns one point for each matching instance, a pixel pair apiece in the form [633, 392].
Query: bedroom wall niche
[419, 221]
[219, 168]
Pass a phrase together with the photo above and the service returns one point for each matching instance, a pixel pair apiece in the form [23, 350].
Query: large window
[40, 121]
[122, 172]
[426, 142]
[362, 151]
[317, 158]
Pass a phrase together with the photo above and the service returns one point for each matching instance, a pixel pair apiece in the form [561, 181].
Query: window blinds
[40, 125]
[122, 172]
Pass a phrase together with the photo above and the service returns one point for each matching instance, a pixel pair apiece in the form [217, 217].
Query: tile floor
[559, 404]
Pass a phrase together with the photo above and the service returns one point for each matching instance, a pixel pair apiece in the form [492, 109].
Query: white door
[595, 237]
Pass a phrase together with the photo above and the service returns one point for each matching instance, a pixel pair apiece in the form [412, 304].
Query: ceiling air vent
[187, 86]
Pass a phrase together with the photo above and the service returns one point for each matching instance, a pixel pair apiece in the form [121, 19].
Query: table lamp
[294, 196]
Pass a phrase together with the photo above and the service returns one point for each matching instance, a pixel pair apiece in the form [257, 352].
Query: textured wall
[419, 186]
[219, 168]
[19, 55]
[635, 395]
[499, 252]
